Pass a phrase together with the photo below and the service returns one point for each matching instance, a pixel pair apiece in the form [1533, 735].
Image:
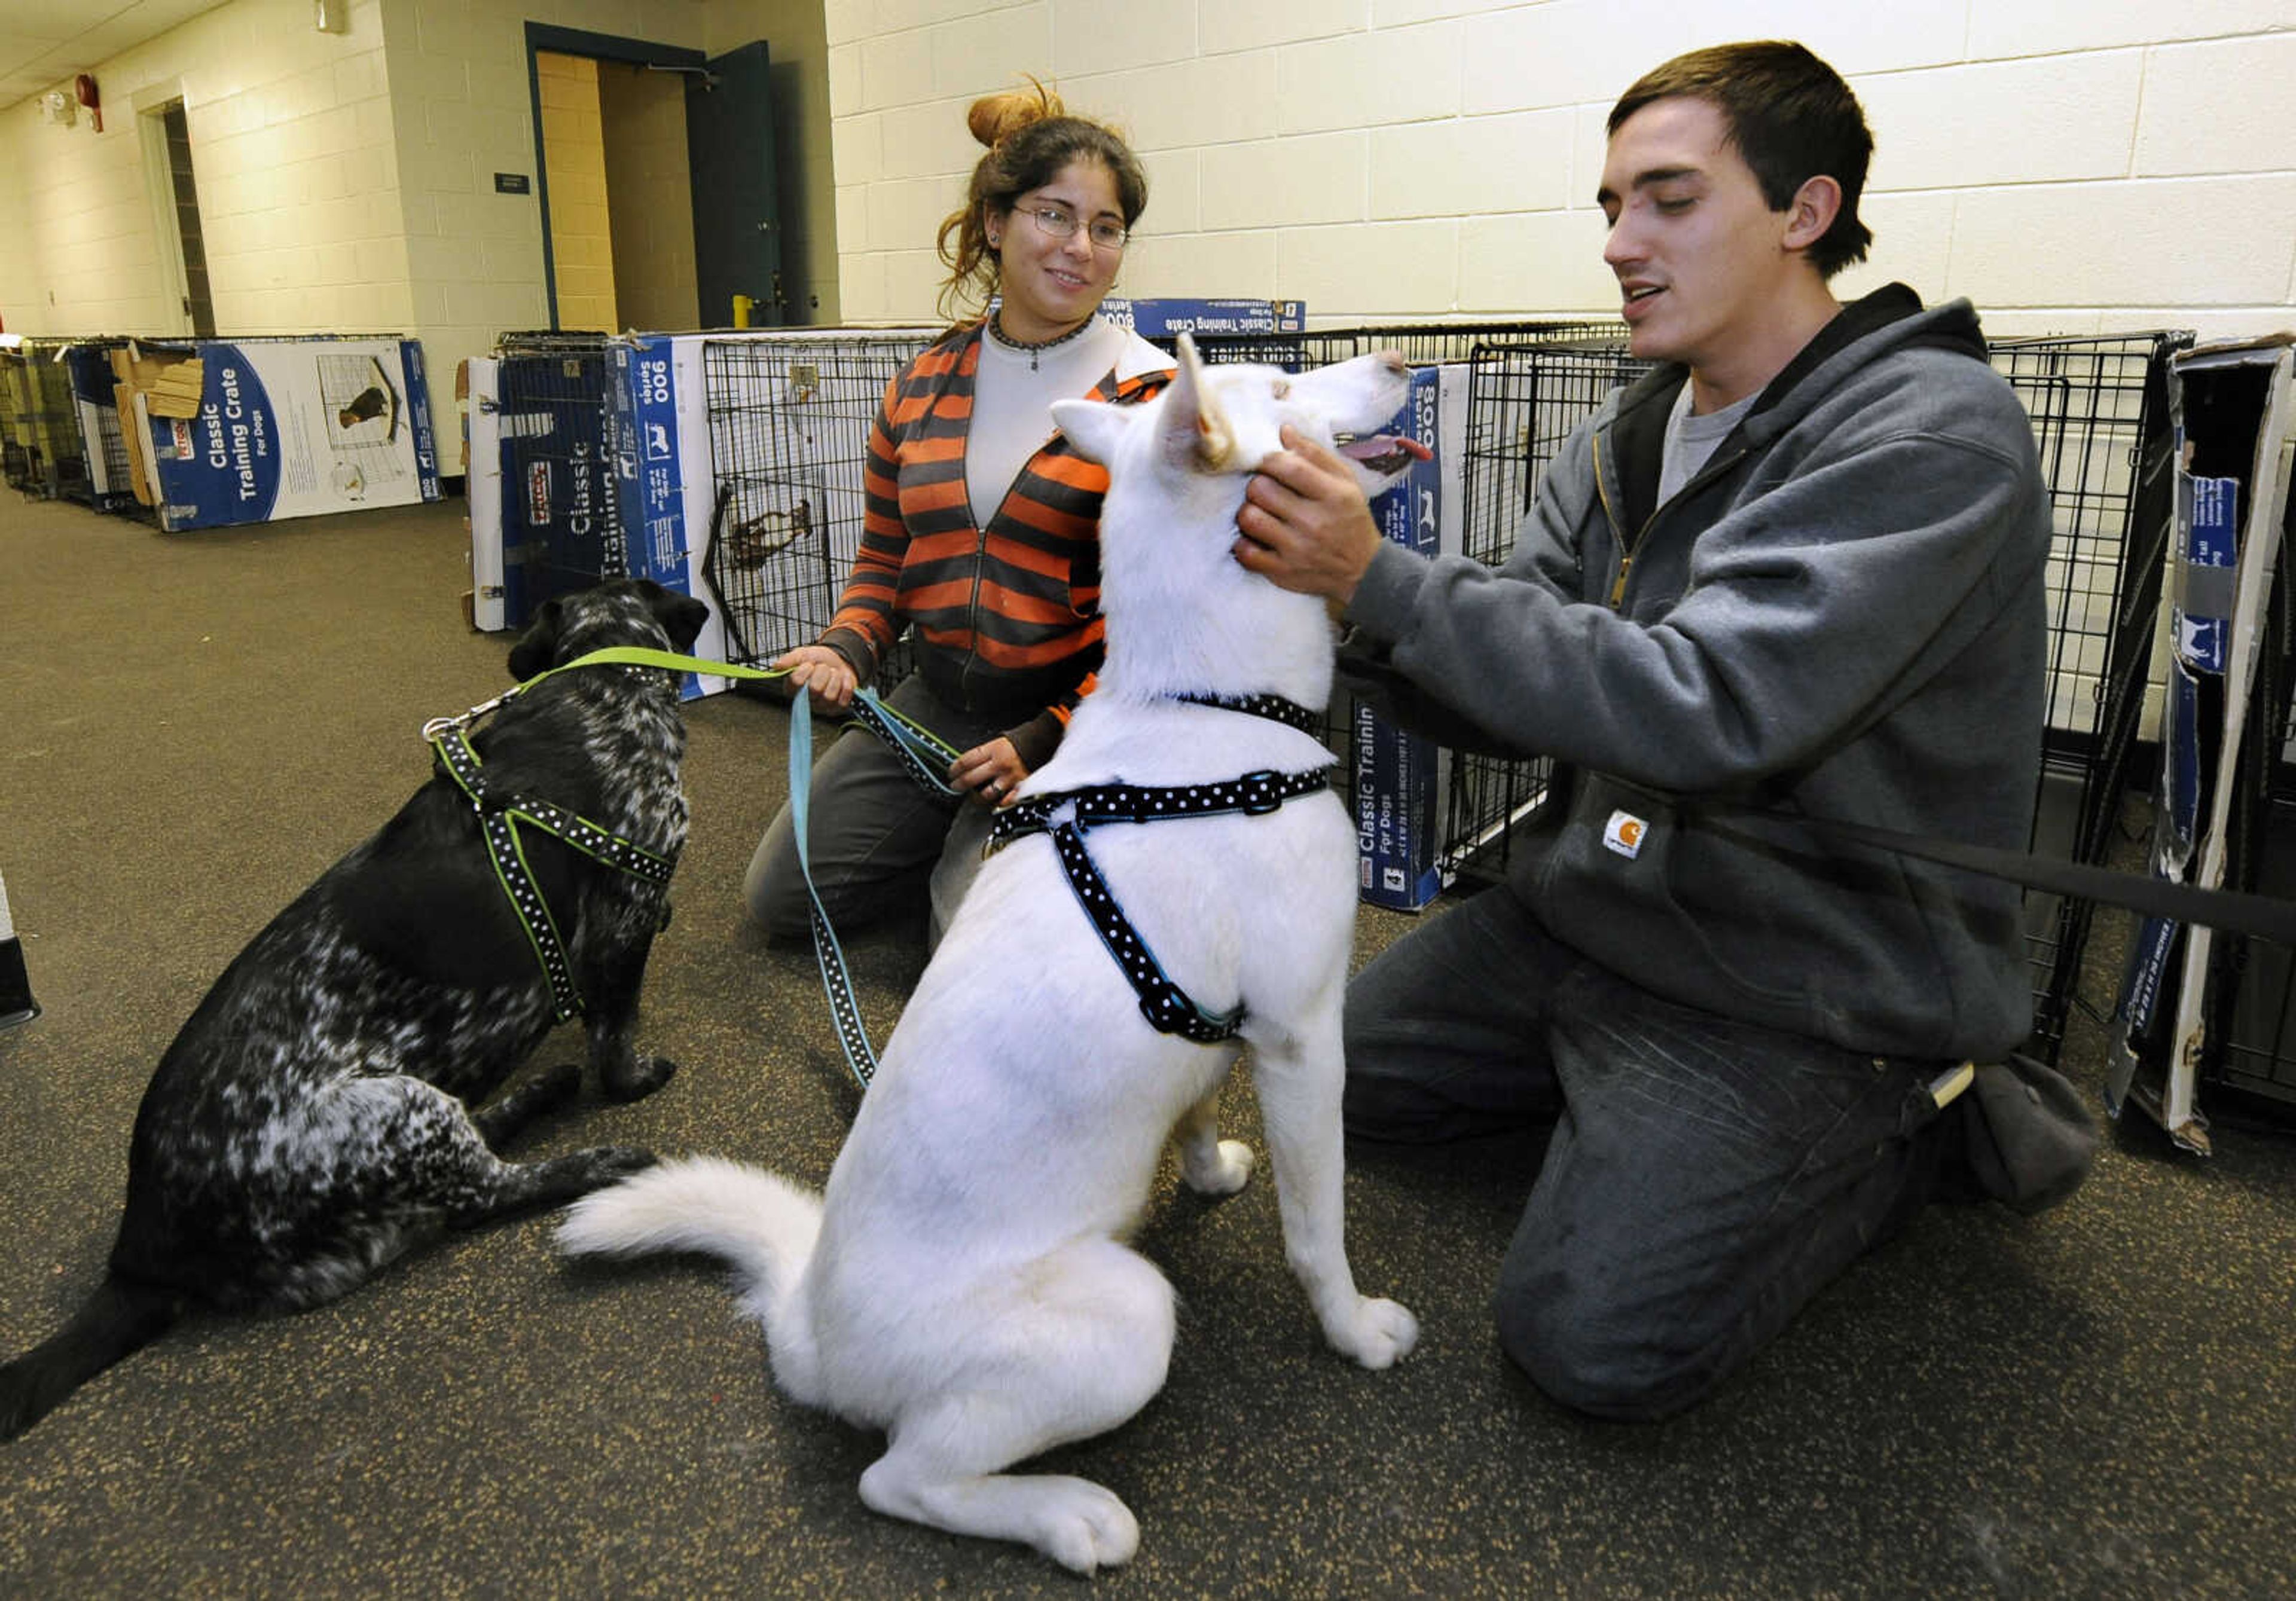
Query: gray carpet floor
[2100, 1402]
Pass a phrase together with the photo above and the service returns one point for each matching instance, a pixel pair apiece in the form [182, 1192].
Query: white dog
[962, 1284]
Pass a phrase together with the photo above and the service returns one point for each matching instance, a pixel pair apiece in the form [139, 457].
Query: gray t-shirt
[1012, 405]
[1690, 440]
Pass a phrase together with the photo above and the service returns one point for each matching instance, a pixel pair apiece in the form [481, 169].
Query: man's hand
[1305, 524]
[821, 669]
[990, 773]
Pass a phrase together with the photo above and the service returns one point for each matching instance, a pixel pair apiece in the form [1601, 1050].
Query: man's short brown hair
[1791, 119]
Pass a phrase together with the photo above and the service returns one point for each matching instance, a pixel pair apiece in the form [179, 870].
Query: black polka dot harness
[1167, 1006]
[499, 817]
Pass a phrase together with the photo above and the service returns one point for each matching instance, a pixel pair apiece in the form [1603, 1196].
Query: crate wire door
[789, 417]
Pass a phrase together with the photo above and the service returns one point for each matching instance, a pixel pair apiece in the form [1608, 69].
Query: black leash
[2261, 916]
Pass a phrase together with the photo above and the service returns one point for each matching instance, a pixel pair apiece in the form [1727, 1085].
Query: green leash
[925, 754]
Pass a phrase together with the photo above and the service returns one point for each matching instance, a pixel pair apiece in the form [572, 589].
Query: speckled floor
[2096, 1402]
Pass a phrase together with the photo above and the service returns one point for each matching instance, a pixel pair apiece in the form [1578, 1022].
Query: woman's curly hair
[1030, 138]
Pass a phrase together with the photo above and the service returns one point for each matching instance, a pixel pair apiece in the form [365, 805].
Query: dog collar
[1273, 707]
[499, 817]
[1168, 1007]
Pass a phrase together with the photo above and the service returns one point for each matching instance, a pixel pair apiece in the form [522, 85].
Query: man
[1794, 573]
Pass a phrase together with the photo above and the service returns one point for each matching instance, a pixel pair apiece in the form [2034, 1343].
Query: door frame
[541, 36]
[150, 105]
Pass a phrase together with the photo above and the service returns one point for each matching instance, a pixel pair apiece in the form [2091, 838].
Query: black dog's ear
[681, 616]
[537, 647]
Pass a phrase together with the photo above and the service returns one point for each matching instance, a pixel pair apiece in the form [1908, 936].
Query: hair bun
[996, 117]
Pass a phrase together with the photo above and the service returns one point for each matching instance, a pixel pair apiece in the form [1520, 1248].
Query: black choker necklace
[997, 325]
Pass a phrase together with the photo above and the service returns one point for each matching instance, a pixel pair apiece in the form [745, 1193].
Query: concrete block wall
[292, 137]
[459, 88]
[2074, 166]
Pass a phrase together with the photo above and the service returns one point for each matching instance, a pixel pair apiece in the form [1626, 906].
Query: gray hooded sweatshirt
[1841, 616]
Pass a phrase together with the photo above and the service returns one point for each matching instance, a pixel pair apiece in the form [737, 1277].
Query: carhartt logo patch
[1624, 834]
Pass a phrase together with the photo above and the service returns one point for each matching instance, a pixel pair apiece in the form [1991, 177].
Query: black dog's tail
[122, 1317]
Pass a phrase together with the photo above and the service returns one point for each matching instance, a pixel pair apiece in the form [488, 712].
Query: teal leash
[913, 745]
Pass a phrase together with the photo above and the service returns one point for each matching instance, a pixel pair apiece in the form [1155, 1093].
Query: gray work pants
[880, 845]
[1705, 1176]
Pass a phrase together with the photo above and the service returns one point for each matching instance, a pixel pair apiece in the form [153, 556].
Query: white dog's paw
[1380, 1334]
[1081, 1526]
[1227, 1170]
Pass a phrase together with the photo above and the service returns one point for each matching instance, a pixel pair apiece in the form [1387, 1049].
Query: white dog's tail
[758, 1221]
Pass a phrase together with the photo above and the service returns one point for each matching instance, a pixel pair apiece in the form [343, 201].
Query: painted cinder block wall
[292, 139]
[346, 180]
[2075, 166]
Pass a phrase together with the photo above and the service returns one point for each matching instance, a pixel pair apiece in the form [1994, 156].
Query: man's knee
[776, 898]
[1591, 1358]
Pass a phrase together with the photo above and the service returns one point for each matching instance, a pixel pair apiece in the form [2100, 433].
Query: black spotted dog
[312, 1121]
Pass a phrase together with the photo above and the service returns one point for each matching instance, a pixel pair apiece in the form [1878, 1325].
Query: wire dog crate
[560, 518]
[788, 420]
[39, 425]
[1421, 344]
[2100, 421]
[2252, 1032]
[103, 442]
[790, 415]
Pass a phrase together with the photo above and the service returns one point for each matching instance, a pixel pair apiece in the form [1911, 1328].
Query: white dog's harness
[1168, 1007]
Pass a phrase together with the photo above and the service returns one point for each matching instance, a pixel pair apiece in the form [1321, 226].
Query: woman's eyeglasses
[1058, 222]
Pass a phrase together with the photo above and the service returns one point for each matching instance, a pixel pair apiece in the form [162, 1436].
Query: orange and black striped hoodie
[1006, 617]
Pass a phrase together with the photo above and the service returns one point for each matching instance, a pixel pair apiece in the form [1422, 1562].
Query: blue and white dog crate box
[279, 428]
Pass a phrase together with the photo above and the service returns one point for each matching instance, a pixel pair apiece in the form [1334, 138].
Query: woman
[981, 530]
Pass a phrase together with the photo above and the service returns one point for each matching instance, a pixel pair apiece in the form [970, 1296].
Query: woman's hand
[821, 669]
[989, 773]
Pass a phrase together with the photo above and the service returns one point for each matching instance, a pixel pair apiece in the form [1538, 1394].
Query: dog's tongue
[1385, 451]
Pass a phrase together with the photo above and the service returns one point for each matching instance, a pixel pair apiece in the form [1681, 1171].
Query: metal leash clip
[439, 727]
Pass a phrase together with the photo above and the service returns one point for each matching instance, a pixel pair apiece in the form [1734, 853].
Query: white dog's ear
[1196, 432]
[1093, 426]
